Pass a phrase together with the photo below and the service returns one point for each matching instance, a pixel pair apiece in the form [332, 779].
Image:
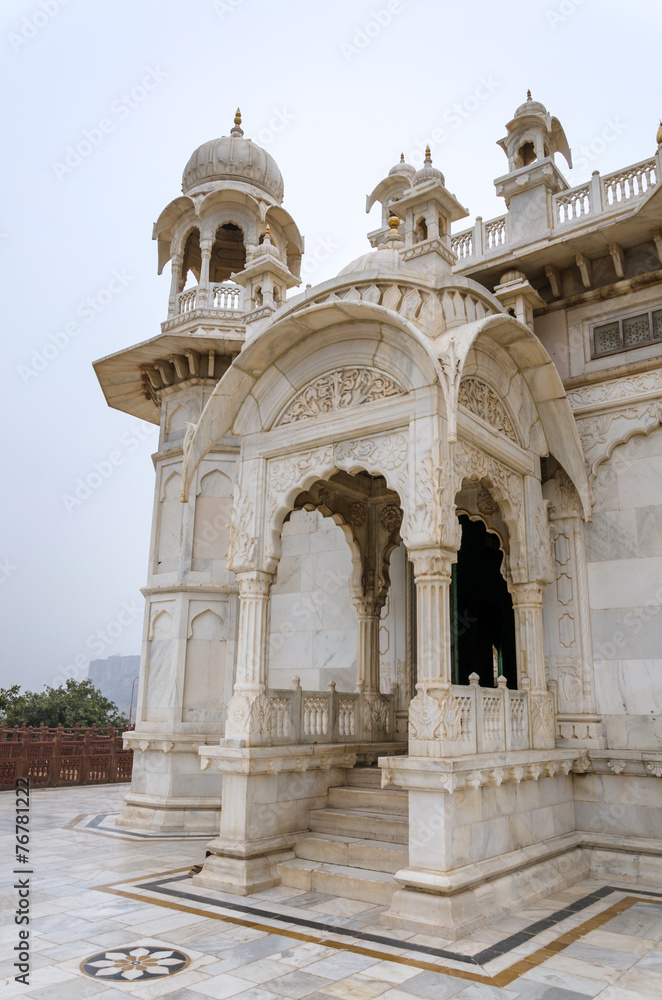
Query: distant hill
[114, 677]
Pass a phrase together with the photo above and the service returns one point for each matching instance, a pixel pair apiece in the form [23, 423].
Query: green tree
[75, 702]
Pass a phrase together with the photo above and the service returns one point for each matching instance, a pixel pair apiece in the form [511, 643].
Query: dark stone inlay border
[96, 821]
[480, 958]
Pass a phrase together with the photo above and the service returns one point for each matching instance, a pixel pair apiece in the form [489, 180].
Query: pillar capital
[433, 563]
[527, 594]
[369, 607]
[254, 583]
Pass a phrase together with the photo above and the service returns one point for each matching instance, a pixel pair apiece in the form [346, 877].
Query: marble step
[376, 800]
[361, 823]
[352, 852]
[364, 777]
[338, 880]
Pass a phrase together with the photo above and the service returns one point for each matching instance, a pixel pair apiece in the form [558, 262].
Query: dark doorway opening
[482, 618]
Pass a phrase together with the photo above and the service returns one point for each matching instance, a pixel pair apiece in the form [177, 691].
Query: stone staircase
[355, 844]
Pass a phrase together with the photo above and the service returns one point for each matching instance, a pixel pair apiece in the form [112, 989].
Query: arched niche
[191, 256]
[158, 671]
[213, 515]
[204, 677]
[228, 253]
[169, 523]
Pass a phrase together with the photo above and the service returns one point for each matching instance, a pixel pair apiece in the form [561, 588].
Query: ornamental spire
[237, 129]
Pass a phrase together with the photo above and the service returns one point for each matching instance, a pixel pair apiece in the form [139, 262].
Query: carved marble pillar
[375, 708]
[434, 714]
[248, 711]
[527, 606]
[567, 622]
[432, 575]
[203, 284]
[176, 263]
[368, 615]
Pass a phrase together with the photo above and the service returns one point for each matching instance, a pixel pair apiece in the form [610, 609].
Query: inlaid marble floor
[114, 917]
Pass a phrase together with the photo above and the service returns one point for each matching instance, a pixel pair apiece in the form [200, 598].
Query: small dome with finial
[233, 158]
[530, 107]
[402, 169]
[427, 171]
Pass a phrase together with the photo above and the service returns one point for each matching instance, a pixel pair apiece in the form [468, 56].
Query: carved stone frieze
[474, 464]
[616, 390]
[481, 399]
[434, 245]
[242, 548]
[338, 390]
[153, 742]
[566, 501]
[284, 473]
[486, 503]
[434, 515]
[248, 719]
[432, 718]
[601, 433]
[390, 517]
[629, 763]
[467, 777]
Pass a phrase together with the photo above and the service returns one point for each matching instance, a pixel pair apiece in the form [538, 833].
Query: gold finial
[428, 158]
[528, 95]
[267, 232]
[402, 157]
[236, 129]
[393, 224]
[659, 135]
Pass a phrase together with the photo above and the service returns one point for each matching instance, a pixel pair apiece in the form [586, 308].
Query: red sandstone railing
[53, 757]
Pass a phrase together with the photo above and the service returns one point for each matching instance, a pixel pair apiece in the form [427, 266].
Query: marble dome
[231, 158]
[386, 259]
[530, 107]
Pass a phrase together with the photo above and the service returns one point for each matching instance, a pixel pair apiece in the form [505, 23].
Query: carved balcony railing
[226, 297]
[492, 719]
[298, 716]
[632, 182]
[572, 204]
[482, 239]
[598, 196]
[605, 194]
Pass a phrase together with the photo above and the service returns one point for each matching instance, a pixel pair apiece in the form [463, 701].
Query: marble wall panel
[622, 583]
[611, 535]
[630, 686]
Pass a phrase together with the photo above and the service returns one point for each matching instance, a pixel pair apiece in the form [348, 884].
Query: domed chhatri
[402, 169]
[232, 158]
[428, 172]
[530, 107]
[533, 135]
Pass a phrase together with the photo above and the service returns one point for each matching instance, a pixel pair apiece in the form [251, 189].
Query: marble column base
[171, 816]
[452, 916]
[243, 868]
[170, 794]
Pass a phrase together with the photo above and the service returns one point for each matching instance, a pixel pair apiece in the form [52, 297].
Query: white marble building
[410, 518]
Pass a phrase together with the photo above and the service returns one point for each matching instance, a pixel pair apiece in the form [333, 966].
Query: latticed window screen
[607, 338]
[636, 330]
[631, 331]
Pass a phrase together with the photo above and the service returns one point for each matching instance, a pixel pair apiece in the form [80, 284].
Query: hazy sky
[335, 92]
